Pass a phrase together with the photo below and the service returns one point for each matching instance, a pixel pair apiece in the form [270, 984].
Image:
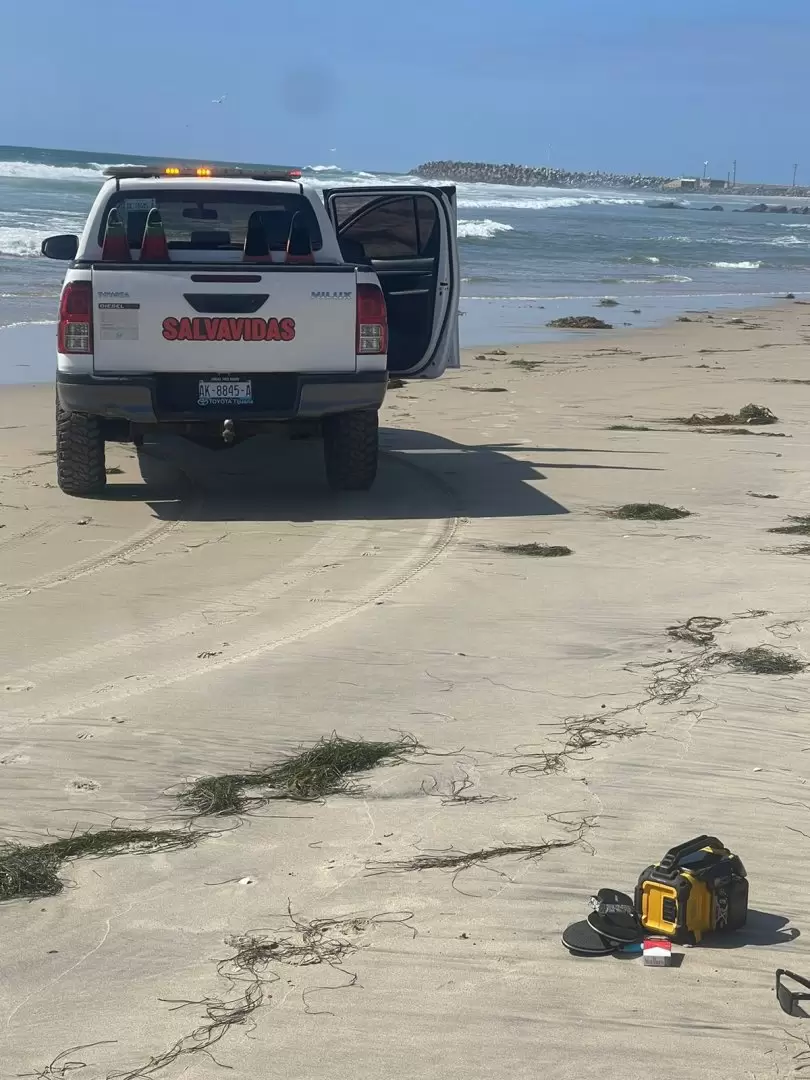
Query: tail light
[372, 320]
[116, 245]
[75, 333]
[153, 246]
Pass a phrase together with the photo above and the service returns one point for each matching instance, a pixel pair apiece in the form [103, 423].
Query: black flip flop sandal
[582, 940]
[614, 917]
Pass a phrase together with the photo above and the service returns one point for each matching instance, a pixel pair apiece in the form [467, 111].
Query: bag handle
[689, 847]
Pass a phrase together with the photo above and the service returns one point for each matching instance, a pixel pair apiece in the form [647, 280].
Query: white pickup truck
[215, 303]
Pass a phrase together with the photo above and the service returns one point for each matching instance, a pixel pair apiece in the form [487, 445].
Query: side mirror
[61, 247]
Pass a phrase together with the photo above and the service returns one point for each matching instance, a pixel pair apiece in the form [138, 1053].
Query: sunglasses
[789, 999]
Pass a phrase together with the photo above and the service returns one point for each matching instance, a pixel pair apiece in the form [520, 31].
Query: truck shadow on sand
[421, 475]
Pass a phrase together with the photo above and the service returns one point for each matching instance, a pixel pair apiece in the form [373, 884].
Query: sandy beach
[234, 610]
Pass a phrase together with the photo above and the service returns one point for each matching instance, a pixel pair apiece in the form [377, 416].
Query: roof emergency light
[150, 172]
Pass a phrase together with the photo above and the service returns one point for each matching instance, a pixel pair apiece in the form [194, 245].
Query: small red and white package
[657, 952]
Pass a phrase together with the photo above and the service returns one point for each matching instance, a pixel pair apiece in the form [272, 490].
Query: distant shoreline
[29, 358]
[479, 172]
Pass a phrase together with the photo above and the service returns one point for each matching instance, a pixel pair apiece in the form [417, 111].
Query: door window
[402, 227]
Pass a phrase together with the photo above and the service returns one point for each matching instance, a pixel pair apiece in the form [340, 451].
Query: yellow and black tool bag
[697, 888]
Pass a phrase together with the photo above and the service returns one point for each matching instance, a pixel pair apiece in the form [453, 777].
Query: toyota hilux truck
[219, 303]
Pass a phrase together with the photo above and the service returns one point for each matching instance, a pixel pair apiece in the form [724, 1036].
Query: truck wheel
[79, 453]
[351, 447]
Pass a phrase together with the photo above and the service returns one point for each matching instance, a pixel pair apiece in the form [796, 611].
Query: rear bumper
[155, 399]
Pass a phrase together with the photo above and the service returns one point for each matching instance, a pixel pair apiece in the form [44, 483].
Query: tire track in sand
[308, 618]
[213, 611]
[143, 539]
[34, 532]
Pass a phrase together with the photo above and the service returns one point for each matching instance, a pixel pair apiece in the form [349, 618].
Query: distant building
[690, 183]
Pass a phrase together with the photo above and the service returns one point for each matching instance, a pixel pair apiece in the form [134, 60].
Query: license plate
[225, 392]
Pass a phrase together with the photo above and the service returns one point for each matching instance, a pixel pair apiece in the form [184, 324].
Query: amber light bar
[132, 172]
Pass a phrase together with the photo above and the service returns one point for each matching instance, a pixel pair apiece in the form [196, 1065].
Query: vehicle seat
[256, 249]
[299, 242]
[353, 251]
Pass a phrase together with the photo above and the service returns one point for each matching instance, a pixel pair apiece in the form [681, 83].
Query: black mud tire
[351, 449]
[80, 462]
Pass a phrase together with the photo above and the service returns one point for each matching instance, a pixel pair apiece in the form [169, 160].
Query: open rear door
[408, 235]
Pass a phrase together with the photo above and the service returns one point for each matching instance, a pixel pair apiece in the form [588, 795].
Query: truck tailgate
[224, 319]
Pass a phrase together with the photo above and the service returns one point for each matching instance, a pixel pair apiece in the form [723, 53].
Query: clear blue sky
[586, 83]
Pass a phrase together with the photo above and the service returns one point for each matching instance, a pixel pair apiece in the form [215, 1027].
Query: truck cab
[216, 303]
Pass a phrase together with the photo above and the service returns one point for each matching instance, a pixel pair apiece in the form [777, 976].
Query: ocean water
[527, 254]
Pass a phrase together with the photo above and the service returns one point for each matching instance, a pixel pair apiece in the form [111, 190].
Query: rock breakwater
[478, 172]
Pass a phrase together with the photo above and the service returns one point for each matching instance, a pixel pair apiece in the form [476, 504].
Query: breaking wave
[482, 197]
[655, 279]
[28, 322]
[21, 242]
[481, 230]
[738, 265]
[788, 241]
[30, 170]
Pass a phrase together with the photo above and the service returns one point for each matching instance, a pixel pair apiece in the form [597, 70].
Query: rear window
[200, 220]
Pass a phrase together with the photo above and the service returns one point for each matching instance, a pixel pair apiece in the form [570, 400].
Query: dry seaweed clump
[648, 512]
[463, 860]
[698, 630]
[628, 427]
[742, 431]
[582, 734]
[748, 414]
[761, 660]
[797, 549]
[228, 794]
[312, 773]
[28, 871]
[537, 551]
[323, 768]
[579, 322]
[800, 527]
[255, 965]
